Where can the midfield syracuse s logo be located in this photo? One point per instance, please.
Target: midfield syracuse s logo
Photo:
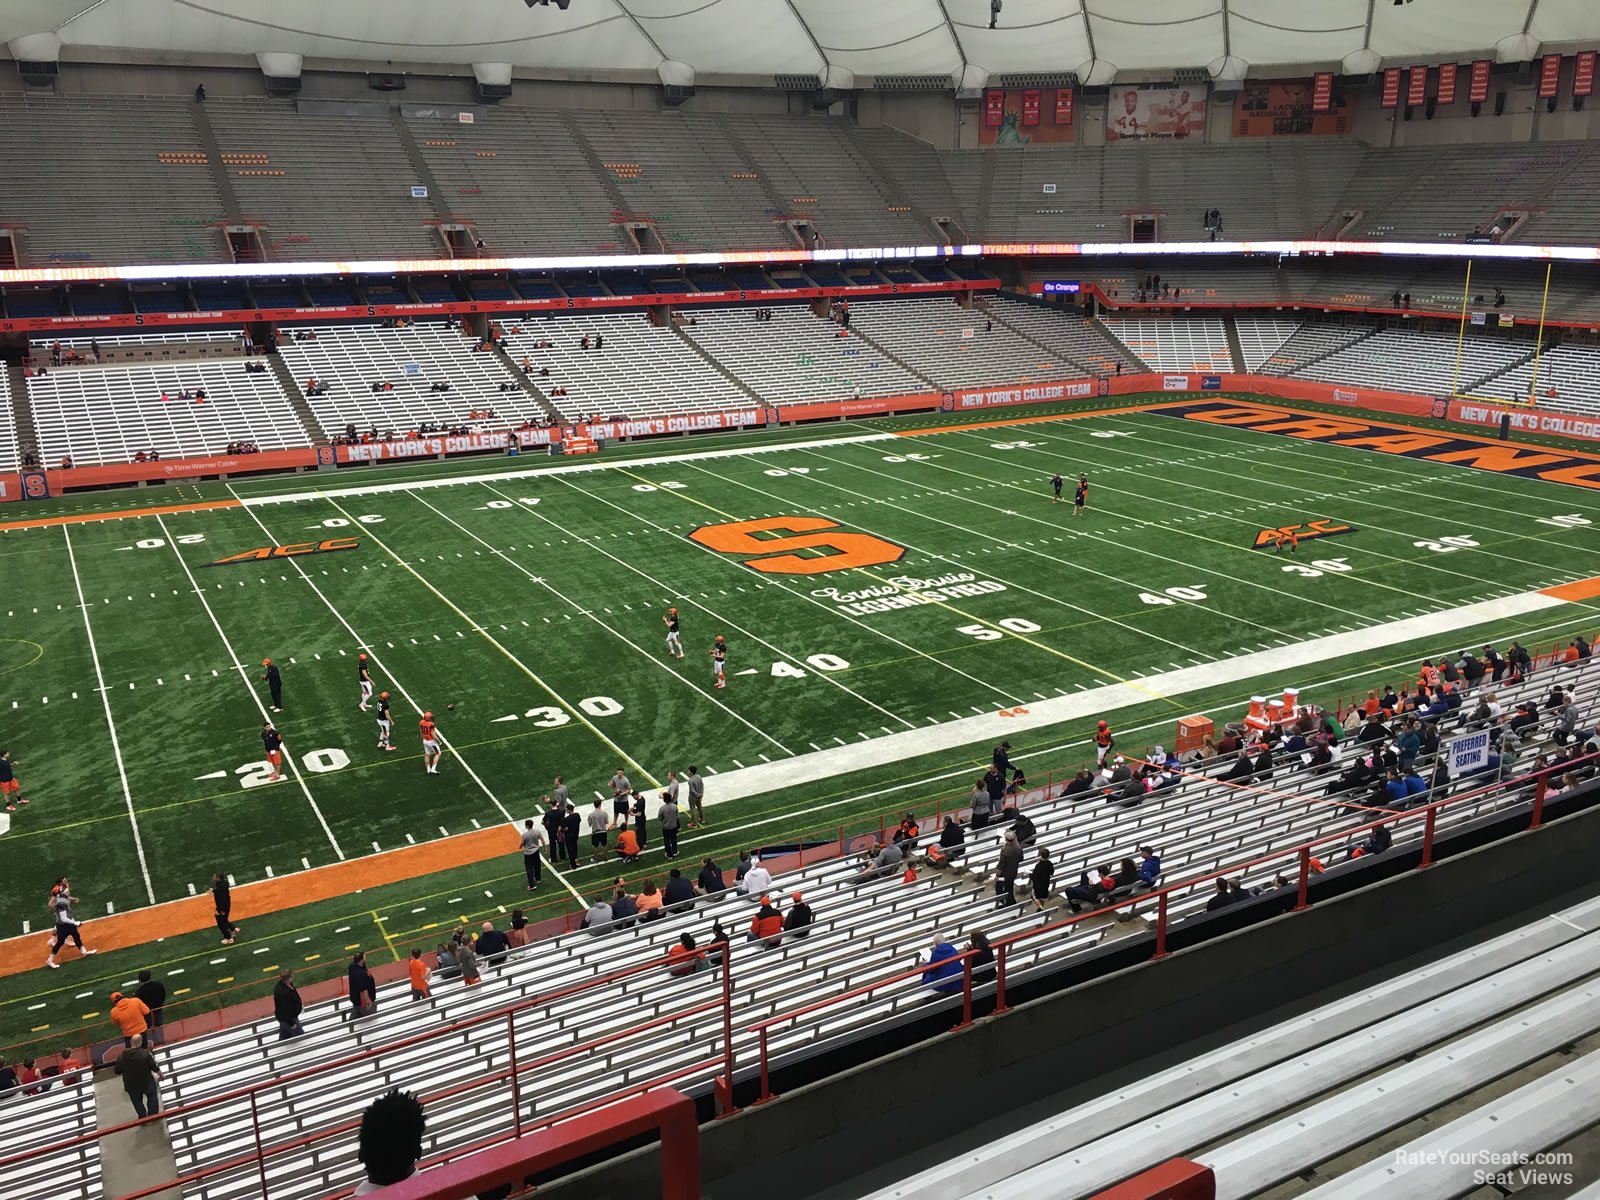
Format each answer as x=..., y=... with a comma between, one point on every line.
x=844, y=550
x=1311, y=529
x=293, y=550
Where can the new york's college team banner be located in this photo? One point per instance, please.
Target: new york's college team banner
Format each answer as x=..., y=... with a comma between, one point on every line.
x=1165, y=110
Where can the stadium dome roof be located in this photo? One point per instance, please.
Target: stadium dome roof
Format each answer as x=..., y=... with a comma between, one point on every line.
x=859, y=38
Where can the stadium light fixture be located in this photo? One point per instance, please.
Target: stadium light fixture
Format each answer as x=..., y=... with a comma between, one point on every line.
x=561, y=4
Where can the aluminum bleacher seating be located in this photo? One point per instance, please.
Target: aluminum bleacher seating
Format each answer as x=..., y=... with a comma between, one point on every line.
x=325, y=184
x=1568, y=380
x=1308, y=344
x=866, y=932
x=349, y=359
x=643, y=370
x=951, y=345
x=1196, y=344
x=35, y=1123
x=1261, y=338
x=1341, y=1075
x=796, y=356
x=1424, y=363
x=10, y=452
x=108, y=179
x=107, y=414
x=1075, y=339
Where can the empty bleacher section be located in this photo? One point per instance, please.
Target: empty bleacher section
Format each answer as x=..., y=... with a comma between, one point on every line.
x=1064, y=332
x=1262, y=338
x=796, y=356
x=107, y=414
x=951, y=345
x=1308, y=344
x=682, y=171
x=1345, y=1100
x=323, y=183
x=1567, y=380
x=10, y=453
x=641, y=370
x=35, y=1123
x=917, y=170
x=1196, y=344
x=107, y=179
x=629, y=1029
x=517, y=176
x=348, y=360
x=1422, y=363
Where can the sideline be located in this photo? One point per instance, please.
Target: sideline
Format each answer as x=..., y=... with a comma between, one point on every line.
x=117, y=515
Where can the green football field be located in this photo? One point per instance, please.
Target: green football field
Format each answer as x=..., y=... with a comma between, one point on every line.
x=888, y=603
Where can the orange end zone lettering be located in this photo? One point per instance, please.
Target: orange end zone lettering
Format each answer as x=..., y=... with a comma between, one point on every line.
x=849, y=550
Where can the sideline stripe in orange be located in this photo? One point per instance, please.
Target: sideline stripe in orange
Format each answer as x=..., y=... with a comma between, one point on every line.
x=119, y=514
x=1578, y=589
x=142, y=926
x=1002, y=422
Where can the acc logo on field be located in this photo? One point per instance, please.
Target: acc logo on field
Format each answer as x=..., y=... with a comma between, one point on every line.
x=849, y=550
x=1311, y=529
x=293, y=550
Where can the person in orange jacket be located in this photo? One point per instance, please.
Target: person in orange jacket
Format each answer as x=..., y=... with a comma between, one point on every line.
x=627, y=845
x=767, y=925
x=130, y=1014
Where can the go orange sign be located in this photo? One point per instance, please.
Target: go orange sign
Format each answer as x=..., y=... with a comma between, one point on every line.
x=776, y=555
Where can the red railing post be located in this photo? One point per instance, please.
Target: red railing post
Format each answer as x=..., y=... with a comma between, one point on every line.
x=1301, y=902
x=1428, y=822
x=966, y=995
x=261, y=1154
x=516, y=1083
x=727, y=1106
x=766, y=1084
x=1161, y=925
x=1539, y=790
x=1000, y=980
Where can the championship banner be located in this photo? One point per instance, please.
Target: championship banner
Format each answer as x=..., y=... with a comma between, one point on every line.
x=1156, y=111
x=1549, y=76
x=1417, y=87
x=1583, y=74
x=1030, y=107
x=1478, y=81
x=1009, y=111
x=1064, y=106
x=1391, y=87
x=1447, y=83
x=994, y=108
x=1322, y=91
x=1285, y=108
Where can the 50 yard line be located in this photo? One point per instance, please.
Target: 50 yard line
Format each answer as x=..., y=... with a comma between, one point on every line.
x=111, y=726
x=245, y=677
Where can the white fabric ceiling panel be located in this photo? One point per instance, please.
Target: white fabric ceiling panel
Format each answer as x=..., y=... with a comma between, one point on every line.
x=884, y=37
x=1270, y=31
x=1033, y=35
x=1425, y=29
x=1174, y=33
x=1566, y=21
x=765, y=39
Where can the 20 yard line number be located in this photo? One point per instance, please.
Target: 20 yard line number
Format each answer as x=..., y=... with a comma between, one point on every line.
x=316, y=762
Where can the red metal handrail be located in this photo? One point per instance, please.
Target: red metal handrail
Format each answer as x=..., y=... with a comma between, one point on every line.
x=1303, y=850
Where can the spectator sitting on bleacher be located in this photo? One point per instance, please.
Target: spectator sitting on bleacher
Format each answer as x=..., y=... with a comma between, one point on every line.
x=1222, y=899
x=710, y=879
x=952, y=842
x=623, y=907
x=1022, y=825
x=1095, y=884
x=1242, y=770
x=880, y=862
x=598, y=918
x=1080, y=783
x=391, y=1140
x=493, y=945
x=678, y=894
x=8, y=1082
x=757, y=880
x=906, y=832
x=648, y=902
x=1376, y=842
x=683, y=958
x=719, y=938
x=1374, y=730
x=140, y=456
x=799, y=919
x=1149, y=869
x=943, y=971
x=766, y=926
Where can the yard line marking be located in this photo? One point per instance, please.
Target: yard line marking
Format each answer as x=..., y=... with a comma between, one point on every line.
x=377, y=660
x=111, y=727
x=244, y=677
x=785, y=587
x=618, y=634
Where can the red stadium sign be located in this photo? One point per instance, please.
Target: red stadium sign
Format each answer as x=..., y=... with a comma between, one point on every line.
x=1478, y=83
x=1322, y=91
x=1447, y=83
x=1417, y=87
x=1583, y=74
x=994, y=107
x=1391, y=87
x=1063, y=106
x=1549, y=76
x=1030, y=107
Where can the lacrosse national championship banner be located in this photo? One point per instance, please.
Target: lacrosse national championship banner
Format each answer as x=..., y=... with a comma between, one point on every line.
x=1287, y=108
x=1165, y=110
